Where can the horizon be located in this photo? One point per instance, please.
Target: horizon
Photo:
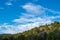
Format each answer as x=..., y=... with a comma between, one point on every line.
x=20, y=15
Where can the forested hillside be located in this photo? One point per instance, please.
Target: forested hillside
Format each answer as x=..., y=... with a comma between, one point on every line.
x=44, y=32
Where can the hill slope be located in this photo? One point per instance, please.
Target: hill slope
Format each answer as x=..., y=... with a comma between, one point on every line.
x=44, y=32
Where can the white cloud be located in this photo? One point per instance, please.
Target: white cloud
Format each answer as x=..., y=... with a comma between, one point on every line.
x=34, y=20
x=8, y=3
x=29, y=7
x=53, y=11
x=22, y=20
x=27, y=15
x=33, y=14
x=34, y=9
x=11, y=29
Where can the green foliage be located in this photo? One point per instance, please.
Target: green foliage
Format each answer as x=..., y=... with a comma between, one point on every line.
x=44, y=32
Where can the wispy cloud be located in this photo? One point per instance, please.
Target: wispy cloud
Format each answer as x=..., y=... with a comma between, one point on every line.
x=8, y=3
x=34, y=16
x=34, y=9
x=53, y=11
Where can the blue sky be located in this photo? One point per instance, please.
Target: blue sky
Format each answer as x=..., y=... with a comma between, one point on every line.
x=21, y=15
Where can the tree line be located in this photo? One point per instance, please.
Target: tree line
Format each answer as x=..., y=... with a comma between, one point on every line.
x=44, y=32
